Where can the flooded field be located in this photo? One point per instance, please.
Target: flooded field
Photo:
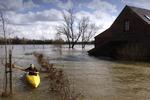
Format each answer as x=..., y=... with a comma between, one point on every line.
x=92, y=78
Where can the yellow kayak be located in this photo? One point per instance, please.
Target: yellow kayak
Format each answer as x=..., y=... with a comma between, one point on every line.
x=34, y=80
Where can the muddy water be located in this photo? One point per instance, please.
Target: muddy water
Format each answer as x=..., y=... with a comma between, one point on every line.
x=93, y=78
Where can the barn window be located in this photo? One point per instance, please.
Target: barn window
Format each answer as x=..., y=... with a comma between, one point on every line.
x=127, y=25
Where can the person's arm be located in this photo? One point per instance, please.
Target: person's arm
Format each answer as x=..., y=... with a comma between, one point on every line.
x=18, y=67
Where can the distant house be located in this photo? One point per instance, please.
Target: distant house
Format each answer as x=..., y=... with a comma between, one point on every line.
x=127, y=38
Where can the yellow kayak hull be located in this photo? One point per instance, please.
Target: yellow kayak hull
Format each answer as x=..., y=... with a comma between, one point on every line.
x=33, y=80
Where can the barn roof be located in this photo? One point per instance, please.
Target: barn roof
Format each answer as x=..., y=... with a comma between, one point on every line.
x=141, y=12
x=144, y=14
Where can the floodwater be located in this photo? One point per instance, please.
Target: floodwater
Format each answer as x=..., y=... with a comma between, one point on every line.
x=93, y=78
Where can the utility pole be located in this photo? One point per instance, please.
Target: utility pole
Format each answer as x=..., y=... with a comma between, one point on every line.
x=10, y=71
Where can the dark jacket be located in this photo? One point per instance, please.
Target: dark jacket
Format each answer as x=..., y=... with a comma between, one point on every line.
x=31, y=70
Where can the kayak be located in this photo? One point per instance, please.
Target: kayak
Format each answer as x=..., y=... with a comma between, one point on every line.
x=33, y=80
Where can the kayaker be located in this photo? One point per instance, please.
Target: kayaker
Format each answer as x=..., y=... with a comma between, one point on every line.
x=32, y=70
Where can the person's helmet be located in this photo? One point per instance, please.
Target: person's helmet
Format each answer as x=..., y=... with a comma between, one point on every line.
x=32, y=66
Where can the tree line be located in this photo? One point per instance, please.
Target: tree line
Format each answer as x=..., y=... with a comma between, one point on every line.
x=17, y=40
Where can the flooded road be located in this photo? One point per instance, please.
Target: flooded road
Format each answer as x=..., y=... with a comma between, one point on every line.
x=93, y=78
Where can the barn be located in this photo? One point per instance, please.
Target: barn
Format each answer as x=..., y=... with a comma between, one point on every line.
x=127, y=38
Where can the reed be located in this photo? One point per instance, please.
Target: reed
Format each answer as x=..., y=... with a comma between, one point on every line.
x=59, y=82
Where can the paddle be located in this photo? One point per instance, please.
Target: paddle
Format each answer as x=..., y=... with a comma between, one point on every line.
x=21, y=68
x=18, y=67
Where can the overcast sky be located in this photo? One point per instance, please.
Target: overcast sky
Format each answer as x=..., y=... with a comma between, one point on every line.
x=37, y=19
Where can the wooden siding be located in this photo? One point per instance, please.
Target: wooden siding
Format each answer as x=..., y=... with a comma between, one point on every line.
x=115, y=40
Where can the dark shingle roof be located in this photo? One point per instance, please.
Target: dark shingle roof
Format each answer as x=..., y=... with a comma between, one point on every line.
x=143, y=13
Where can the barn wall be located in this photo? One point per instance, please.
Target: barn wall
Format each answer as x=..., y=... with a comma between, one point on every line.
x=118, y=43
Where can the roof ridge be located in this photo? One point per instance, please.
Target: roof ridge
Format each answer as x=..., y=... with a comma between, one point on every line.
x=143, y=13
x=137, y=7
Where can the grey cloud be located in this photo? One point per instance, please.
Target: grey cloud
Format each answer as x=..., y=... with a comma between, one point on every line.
x=64, y=5
x=32, y=17
x=138, y=3
x=100, y=5
x=13, y=5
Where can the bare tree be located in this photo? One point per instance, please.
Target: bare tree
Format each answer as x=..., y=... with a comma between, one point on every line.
x=68, y=28
x=8, y=58
x=89, y=34
x=62, y=30
x=5, y=39
x=87, y=30
x=83, y=27
x=76, y=30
